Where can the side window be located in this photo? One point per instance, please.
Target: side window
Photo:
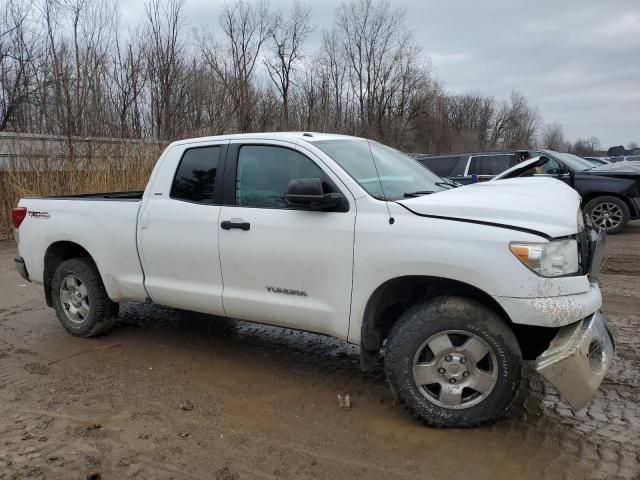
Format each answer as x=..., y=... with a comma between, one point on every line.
x=264, y=173
x=473, y=166
x=550, y=167
x=196, y=175
x=441, y=166
x=492, y=164
x=460, y=167
x=445, y=166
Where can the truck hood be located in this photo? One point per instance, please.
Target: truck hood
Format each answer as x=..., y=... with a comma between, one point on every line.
x=539, y=205
x=619, y=167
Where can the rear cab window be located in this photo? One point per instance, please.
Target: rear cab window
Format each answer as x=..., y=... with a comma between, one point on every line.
x=195, y=178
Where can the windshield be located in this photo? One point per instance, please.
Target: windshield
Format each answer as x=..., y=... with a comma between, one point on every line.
x=385, y=173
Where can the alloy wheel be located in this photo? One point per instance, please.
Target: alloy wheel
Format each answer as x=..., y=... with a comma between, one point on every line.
x=74, y=297
x=455, y=369
x=606, y=215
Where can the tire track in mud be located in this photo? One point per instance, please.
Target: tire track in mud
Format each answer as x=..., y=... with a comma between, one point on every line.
x=10, y=376
x=600, y=442
x=623, y=264
x=603, y=439
x=31, y=448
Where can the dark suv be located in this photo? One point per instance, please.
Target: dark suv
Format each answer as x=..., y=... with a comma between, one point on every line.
x=472, y=167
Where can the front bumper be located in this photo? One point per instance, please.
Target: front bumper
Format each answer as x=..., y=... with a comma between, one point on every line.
x=578, y=358
x=553, y=311
x=21, y=268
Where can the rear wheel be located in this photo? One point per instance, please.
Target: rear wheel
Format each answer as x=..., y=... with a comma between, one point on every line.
x=80, y=299
x=610, y=213
x=453, y=363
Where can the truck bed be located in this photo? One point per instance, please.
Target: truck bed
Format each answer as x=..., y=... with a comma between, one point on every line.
x=103, y=224
x=134, y=196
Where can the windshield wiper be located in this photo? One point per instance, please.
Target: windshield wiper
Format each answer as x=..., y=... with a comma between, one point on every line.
x=416, y=194
x=449, y=184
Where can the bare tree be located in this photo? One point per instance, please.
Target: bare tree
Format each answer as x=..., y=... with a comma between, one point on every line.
x=287, y=37
x=66, y=67
x=125, y=71
x=246, y=26
x=335, y=71
x=552, y=137
x=585, y=146
x=167, y=67
x=594, y=144
x=19, y=51
x=373, y=40
x=72, y=77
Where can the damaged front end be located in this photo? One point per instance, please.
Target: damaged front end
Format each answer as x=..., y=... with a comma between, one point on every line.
x=580, y=354
x=577, y=359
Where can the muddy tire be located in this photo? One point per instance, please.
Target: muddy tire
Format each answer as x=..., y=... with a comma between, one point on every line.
x=610, y=213
x=452, y=362
x=80, y=299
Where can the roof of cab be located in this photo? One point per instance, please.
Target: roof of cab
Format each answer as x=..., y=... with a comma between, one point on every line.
x=306, y=136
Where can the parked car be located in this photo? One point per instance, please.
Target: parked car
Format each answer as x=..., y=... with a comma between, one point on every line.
x=619, y=158
x=610, y=193
x=348, y=238
x=596, y=161
x=467, y=168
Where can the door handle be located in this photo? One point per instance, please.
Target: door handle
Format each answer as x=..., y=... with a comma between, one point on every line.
x=240, y=225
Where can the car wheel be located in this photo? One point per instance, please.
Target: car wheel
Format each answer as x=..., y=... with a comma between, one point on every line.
x=453, y=362
x=610, y=213
x=80, y=299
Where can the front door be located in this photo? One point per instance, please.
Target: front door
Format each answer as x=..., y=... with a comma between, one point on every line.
x=280, y=265
x=552, y=168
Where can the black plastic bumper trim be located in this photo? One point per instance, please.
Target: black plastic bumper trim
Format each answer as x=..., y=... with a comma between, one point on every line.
x=21, y=268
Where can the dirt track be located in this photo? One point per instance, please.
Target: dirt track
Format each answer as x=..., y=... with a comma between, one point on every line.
x=265, y=402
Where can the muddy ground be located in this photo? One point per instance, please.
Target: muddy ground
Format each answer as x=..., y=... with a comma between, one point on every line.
x=171, y=395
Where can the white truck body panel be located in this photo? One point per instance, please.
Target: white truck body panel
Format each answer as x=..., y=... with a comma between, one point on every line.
x=319, y=270
x=105, y=229
x=337, y=259
x=519, y=202
x=178, y=244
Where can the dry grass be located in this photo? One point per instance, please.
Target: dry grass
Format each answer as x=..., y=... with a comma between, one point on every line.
x=112, y=167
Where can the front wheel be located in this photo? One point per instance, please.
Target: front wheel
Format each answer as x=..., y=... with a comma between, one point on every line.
x=610, y=213
x=80, y=299
x=453, y=363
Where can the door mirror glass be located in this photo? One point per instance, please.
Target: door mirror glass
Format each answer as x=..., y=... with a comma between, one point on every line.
x=308, y=193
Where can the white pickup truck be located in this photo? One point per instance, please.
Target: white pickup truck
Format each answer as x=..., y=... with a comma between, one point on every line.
x=343, y=236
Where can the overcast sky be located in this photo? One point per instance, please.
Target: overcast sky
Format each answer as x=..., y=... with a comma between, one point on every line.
x=577, y=60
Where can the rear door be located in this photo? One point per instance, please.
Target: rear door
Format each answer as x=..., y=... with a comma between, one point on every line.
x=178, y=229
x=281, y=265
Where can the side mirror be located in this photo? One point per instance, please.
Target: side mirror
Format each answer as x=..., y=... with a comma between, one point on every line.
x=308, y=193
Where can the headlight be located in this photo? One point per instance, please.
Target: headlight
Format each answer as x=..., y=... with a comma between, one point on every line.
x=550, y=259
